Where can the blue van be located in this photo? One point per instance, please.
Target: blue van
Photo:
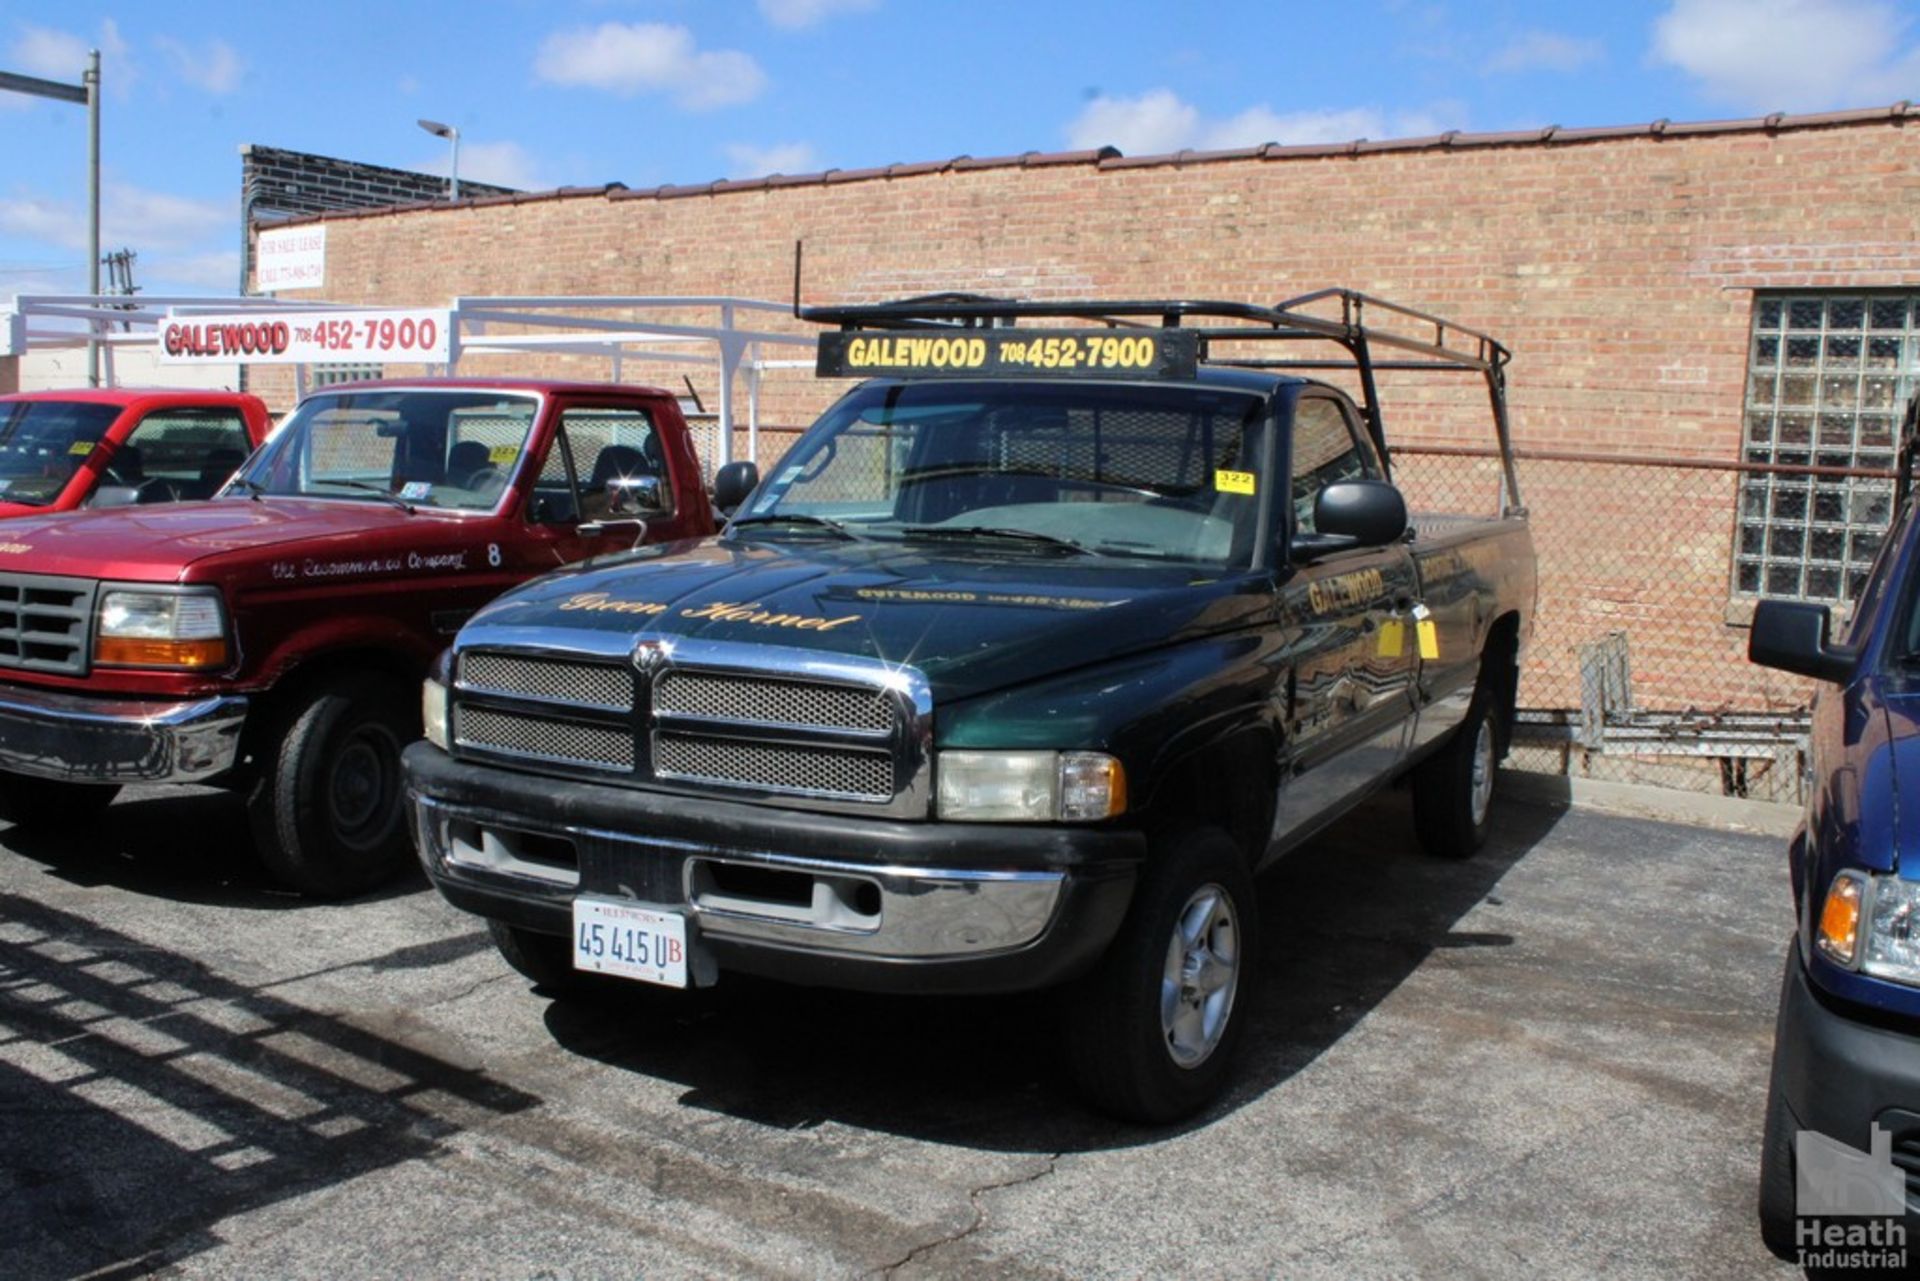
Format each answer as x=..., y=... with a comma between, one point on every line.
x=1846, y=1054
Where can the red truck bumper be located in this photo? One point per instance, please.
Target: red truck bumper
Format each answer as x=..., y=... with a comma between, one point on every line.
x=93, y=740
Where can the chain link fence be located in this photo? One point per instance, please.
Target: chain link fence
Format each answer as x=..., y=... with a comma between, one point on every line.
x=1637, y=671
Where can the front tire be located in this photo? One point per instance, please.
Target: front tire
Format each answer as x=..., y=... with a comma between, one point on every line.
x=44, y=802
x=1153, y=1029
x=328, y=809
x=1776, y=1200
x=545, y=960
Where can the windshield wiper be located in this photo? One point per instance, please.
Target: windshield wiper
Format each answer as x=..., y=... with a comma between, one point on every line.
x=254, y=489
x=999, y=531
x=798, y=518
x=378, y=490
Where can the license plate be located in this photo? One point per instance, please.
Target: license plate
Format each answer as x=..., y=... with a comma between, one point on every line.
x=615, y=936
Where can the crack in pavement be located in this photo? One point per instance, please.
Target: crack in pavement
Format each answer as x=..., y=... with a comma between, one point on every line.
x=979, y=1216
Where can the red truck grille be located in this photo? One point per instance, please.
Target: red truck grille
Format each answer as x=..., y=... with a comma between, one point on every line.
x=44, y=622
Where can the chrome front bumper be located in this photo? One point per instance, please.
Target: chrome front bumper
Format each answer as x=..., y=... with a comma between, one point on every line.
x=52, y=735
x=821, y=906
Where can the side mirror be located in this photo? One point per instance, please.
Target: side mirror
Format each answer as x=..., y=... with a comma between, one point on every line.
x=1793, y=636
x=636, y=496
x=732, y=484
x=1353, y=513
x=114, y=496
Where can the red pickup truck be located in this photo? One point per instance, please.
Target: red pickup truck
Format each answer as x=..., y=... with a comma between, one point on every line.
x=274, y=639
x=112, y=447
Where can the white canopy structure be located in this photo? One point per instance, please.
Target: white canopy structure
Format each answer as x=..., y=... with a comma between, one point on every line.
x=686, y=331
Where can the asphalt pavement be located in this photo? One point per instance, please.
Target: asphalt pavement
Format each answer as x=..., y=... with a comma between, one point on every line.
x=1548, y=1061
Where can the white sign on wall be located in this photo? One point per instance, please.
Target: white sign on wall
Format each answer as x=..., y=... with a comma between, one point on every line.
x=412, y=336
x=290, y=258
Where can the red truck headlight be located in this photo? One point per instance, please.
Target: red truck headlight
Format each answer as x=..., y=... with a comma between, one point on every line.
x=160, y=629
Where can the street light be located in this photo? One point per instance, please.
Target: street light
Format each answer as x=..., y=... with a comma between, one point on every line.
x=452, y=135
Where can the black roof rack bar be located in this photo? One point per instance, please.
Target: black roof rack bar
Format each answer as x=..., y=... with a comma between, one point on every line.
x=1414, y=366
x=1283, y=321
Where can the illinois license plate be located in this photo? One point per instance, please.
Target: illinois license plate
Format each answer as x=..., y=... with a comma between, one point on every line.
x=616, y=936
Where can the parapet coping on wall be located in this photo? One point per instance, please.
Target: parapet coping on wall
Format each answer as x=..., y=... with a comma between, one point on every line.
x=1110, y=158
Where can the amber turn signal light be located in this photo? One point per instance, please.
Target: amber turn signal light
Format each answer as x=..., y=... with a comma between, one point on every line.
x=135, y=652
x=1839, y=934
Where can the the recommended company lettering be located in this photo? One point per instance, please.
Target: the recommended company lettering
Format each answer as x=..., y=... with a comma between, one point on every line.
x=1849, y=1205
x=443, y=562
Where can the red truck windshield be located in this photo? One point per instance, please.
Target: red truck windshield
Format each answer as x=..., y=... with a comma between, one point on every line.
x=449, y=449
x=43, y=442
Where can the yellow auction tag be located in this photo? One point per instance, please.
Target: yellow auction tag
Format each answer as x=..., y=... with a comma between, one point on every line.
x=1393, y=640
x=1429, y=638
x=1233, y=482
x=501, y=455
x=81, y=448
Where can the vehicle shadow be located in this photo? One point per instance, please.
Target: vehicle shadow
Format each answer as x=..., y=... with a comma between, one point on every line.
x=144, y=1098
x=178, y=844
x=1347, y=920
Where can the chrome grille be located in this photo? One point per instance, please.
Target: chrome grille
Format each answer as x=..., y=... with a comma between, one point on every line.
x=785, y=767
x=769, y=701
x=543, y=738
x=44, y=622
x=557, y=681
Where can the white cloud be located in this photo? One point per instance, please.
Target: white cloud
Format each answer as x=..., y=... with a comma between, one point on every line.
x=216, y=270
x=214, y=67
x=1545, y=51
x=1159, y=121
x=141, y=219
x=805, y=13
x=505, y=164
x=649, y=57
x=748, y=161
x=1790, y=55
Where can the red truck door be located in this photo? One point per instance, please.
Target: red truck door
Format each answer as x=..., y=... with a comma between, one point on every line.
x=609, y=466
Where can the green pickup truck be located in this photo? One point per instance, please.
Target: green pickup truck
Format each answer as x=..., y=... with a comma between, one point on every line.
x=1011, y=674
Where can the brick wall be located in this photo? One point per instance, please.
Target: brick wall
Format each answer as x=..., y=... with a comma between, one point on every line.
x=1619, y=268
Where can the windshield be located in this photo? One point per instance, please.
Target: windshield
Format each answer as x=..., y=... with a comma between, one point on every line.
x=453, y=450
x=43, y=442
x=1165, y=473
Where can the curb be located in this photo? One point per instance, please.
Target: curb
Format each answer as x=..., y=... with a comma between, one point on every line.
x=1695, y=809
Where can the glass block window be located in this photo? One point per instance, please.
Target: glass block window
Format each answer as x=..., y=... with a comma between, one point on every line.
x=1827, y=378
x=334, y=375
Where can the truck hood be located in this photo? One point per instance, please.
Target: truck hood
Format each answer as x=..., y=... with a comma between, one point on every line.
x=161, y=542
x=968, y=622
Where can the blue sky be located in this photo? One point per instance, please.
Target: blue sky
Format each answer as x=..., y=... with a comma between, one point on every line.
x=562, y=92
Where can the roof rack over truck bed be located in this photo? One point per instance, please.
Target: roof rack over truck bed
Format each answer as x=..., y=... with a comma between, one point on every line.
x=1420, y=341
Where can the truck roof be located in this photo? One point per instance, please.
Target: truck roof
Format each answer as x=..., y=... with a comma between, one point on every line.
x=133, y=395
x=503, y=384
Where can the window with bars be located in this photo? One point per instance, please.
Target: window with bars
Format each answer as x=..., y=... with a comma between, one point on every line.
x=1827, y=376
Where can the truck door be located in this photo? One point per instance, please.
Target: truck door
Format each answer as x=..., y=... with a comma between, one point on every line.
x=1350, y=706
x=604, y=470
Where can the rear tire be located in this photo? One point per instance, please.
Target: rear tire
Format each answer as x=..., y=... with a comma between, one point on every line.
x=44, y=802
x=1153, y=1029
x=328, y=808
x=1453, y=788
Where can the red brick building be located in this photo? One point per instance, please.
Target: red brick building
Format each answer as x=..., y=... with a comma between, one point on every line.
x=1738, y=292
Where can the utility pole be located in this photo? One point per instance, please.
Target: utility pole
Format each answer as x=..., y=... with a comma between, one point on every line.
x=92, y=83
